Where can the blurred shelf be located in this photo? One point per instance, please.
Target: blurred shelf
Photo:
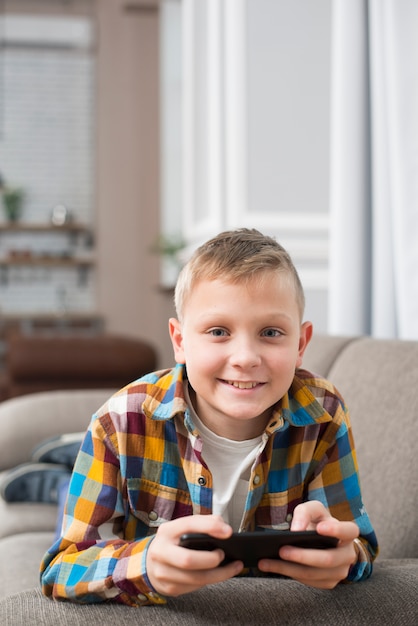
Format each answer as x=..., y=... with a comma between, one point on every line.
x=77, y=316
x=33, y=261
x=85, y=321
x=70, y=227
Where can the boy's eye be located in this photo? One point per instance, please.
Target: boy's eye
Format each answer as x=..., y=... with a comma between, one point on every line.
x=271, y=332
x=217, y=332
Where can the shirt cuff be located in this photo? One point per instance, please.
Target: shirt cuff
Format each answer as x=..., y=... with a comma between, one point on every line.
x=362, y=568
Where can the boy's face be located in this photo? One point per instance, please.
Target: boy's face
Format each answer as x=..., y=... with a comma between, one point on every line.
x=241, y=344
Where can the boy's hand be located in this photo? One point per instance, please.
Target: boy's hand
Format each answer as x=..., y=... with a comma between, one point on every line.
x=318, y=568
x=173, y=570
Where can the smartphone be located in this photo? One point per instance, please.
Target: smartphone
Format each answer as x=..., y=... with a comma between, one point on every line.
x=250, y=547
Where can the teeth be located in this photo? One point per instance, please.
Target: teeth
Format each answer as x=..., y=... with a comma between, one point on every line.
x=240, y=385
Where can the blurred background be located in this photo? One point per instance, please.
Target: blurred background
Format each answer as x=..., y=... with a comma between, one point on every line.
x=133, y=130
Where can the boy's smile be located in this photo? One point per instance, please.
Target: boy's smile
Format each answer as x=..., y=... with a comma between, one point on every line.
x=241, y=343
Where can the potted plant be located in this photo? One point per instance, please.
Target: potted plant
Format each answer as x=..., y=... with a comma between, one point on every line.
x=169, y=247
x=13, y=202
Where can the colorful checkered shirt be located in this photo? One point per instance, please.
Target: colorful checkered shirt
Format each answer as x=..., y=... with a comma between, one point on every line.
x=141, y=465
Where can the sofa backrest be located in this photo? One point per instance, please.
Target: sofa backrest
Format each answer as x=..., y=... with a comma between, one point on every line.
x=379, y=382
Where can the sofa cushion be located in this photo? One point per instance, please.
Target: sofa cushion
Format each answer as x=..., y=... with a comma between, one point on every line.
x=22, y=517
x=21, y=557
x=388, y=598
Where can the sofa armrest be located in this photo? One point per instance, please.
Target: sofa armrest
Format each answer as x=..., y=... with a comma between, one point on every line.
x=28, y=420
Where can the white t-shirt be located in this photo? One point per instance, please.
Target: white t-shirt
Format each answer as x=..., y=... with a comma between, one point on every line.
x=230, y=464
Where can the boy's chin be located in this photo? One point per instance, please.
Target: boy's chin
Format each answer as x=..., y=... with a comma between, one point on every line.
x=248, y=417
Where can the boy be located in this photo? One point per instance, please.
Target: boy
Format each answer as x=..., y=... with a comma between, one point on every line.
x=235, y=437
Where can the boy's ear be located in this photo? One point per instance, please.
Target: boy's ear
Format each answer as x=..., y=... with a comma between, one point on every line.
x=306, y=331
x=174, y=328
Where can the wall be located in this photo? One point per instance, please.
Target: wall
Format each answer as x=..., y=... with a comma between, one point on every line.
x=128, y=173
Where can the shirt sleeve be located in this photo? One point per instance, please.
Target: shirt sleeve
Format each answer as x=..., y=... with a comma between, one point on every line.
x=83, y=565
x=336, y=484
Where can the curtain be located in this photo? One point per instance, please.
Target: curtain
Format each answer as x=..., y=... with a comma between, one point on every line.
x=374, y=169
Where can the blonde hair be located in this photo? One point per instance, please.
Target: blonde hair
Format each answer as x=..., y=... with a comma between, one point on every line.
x=236, y=256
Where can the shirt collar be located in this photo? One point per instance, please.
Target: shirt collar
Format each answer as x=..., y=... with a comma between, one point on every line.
x=298, y=407
x=165, y=397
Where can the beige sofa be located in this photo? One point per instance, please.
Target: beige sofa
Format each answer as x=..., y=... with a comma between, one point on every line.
x=379, y=380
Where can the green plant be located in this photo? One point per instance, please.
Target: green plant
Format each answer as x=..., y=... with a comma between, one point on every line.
x=169, y=246
x=13, y=202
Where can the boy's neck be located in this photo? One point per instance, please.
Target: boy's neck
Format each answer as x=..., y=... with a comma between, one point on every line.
x=243, y=431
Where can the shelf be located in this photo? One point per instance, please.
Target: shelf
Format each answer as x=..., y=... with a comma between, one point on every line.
x=71, y=227
x=82, y=265
x=46, y=262
x=79, y=316
x=87, y=322
x=30, y=258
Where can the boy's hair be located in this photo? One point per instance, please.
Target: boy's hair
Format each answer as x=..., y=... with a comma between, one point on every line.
x=236, y=256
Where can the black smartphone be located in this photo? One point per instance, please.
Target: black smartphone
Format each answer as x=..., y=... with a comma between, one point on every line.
x=250, y=547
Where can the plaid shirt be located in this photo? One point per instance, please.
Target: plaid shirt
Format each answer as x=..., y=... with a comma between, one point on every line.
x=141, y=465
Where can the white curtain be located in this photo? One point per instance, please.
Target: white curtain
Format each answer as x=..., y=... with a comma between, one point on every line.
x=374, y=169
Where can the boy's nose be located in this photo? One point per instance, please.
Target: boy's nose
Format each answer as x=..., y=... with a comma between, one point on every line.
x=244, y=354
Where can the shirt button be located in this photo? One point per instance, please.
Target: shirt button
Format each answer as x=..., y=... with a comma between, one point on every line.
x=289, y=517
x=153, y=516
x=256, y=480
x=201, y=480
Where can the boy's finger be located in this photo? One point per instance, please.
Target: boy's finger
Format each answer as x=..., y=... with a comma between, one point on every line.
x=345, y=531
x=211, y=524
x=308, y=514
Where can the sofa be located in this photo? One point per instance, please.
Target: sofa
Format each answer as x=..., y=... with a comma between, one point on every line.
x=379, y=381
x=41, y=362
